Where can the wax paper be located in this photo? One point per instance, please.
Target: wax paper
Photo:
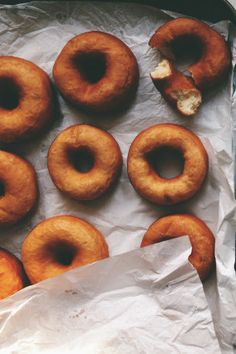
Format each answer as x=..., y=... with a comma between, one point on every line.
x=139, y=302
x=38, y=31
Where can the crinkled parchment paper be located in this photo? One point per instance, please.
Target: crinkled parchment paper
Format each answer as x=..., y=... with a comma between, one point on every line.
x=38, y=31
x=133, y=303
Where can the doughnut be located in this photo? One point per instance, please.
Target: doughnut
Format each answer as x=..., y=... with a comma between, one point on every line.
x=59, y=244
x=143, y=175
x=26, y=99
x=214, y=60
x=84, y=161
x=18, y=188
x=201, y=238
x=97, y=72
x=210, y=67
x=176, y=88
x=12, y=277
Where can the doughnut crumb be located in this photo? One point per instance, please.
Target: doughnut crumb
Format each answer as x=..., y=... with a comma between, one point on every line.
x=187, y=101
x=162, y=71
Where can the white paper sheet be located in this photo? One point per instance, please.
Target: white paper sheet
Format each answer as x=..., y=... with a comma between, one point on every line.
x=145, y=301
x=38, y=31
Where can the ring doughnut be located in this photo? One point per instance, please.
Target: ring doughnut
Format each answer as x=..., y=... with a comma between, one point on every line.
x=201, y=238
x=26, y=99
x=84, y=161
x=18, y=188
x=12, y=277
x=214, y=61
x=146, y=180
x=97, y=72
x=59, y=244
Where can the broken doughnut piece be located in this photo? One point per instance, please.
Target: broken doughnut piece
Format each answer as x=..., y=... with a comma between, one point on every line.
x=176, y=88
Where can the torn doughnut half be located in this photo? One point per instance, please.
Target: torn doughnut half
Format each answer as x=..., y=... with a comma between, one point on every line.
x=176, y=88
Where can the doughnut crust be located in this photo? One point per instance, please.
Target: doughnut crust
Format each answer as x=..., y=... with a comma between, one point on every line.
x=201, y=238
x=26, y=99
x=214, y=61
x=105, y=170
x=12, y=277
x=59, y=244
x=108, y=88
x=145, y=179
x=18, y=188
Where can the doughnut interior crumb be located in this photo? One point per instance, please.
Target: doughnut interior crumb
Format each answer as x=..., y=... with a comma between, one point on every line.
x=187, y=101
x=162, y=71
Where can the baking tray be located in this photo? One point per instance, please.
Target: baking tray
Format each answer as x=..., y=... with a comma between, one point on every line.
x=212, y=10
x=218, y=14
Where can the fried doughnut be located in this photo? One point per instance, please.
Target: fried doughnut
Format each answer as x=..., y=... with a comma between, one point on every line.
x=26, y=99
x=12, y=277
x=84, y=161
x=146, y=180
x=97, y=72
x=59, y=244
x=18, y=188
x=214, y=60
x=176, y=88
x=201, y=238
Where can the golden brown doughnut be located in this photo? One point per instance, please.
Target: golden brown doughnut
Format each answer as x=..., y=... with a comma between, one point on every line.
x=59, y=244
x=25, y=99
x=146, y=180
x=201, y=238
x=96, y=71
x=18, y=188
x=12, y=277
x=66, y=158
x=176, y=88
x=214, y=61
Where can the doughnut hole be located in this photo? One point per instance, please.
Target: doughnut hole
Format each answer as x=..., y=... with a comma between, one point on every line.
x=82, y=159
x=92, y=66
x=9, y=94
x=165, y=238
x=2, y=189
x=187, y=49
x=61, y=252
x=167, y=162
